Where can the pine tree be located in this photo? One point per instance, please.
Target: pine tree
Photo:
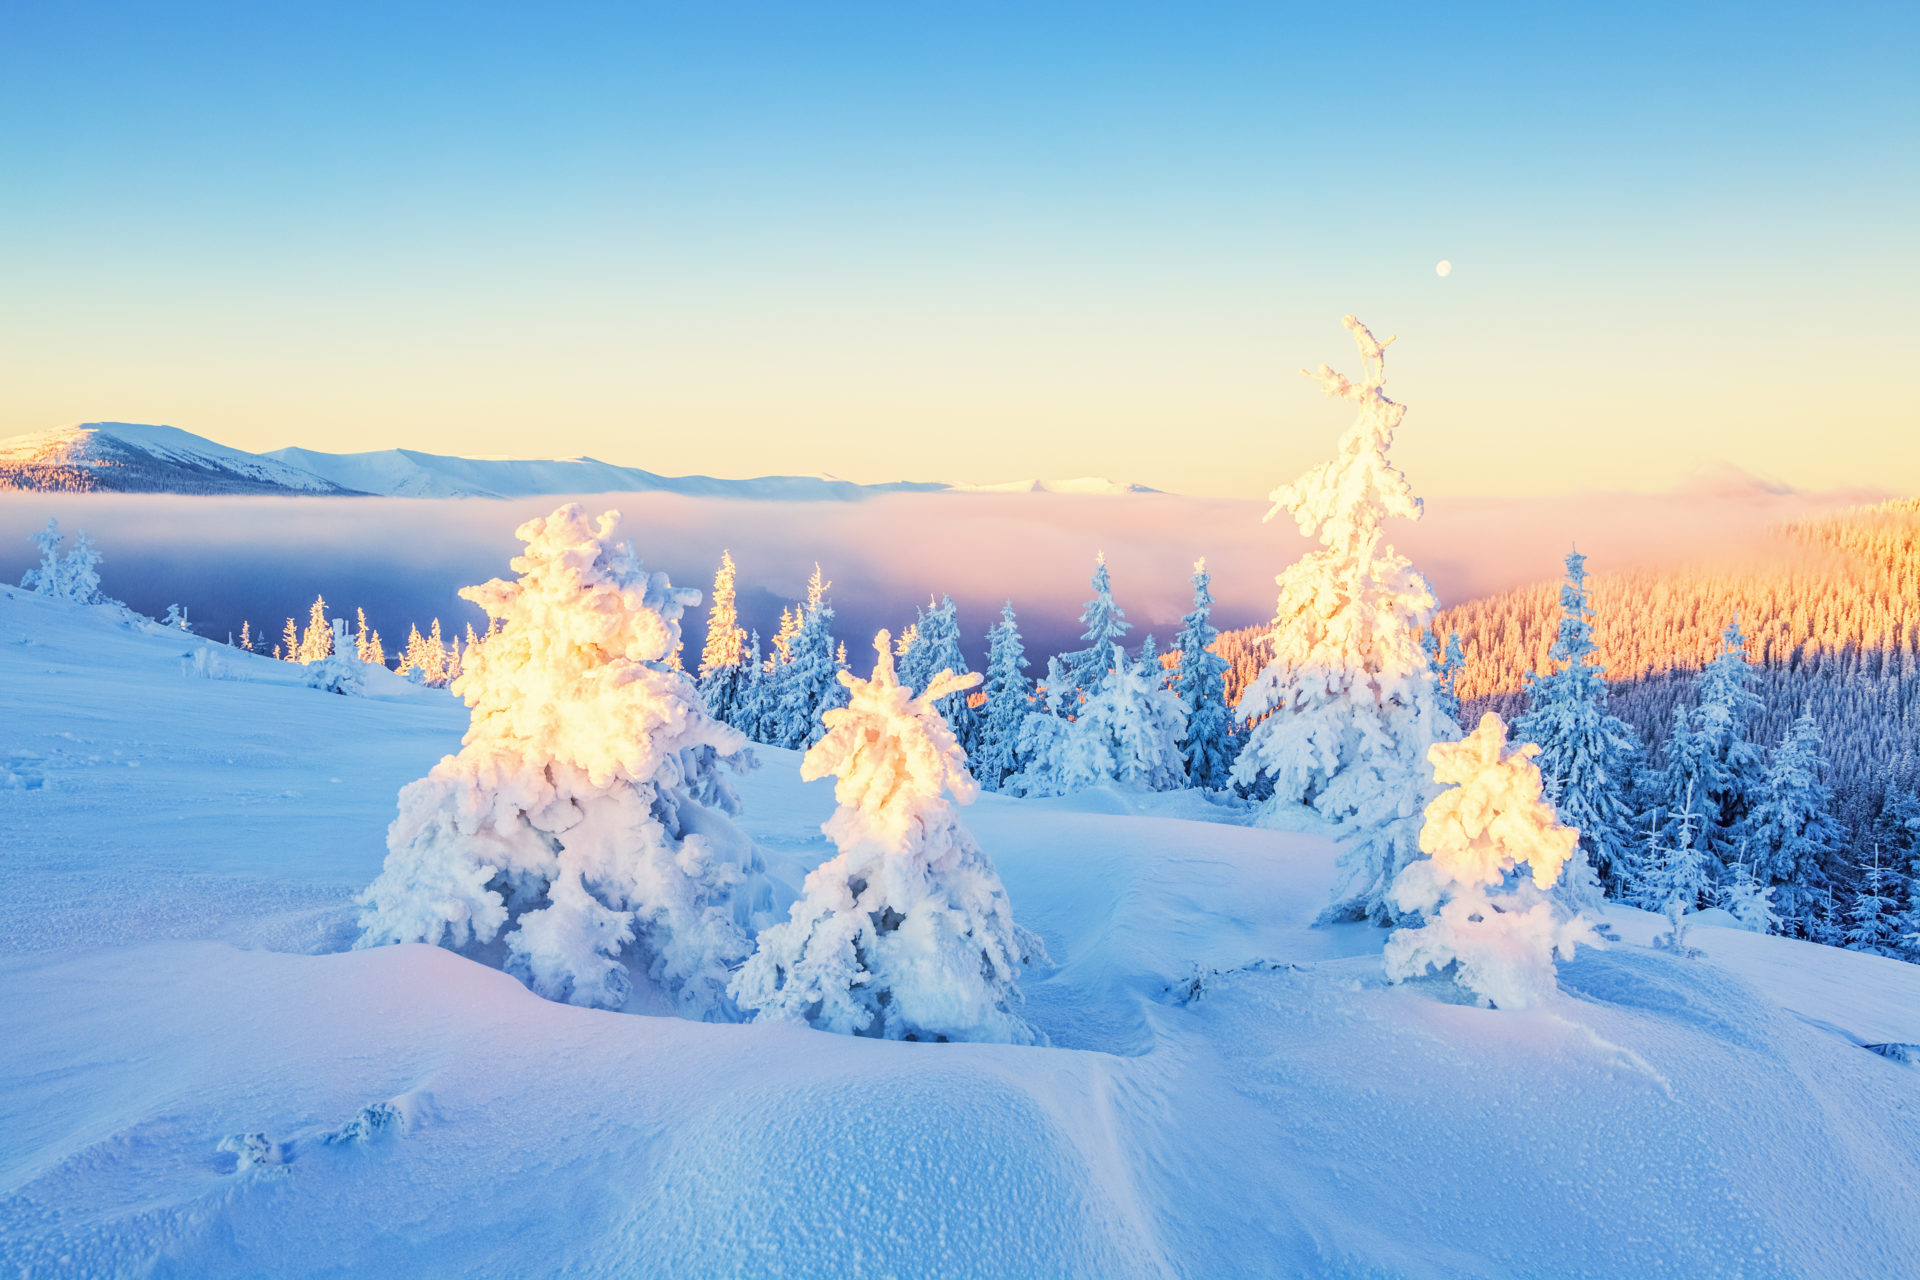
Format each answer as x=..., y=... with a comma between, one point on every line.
x=1791, y=833
x=1676, y=869
x=809, y=684
x=906, y=934
x=73, y=577
x=1873, y=919
x=1106, y=623
x=414, y=656
x=246, y=636
x=317, y=643
x=1008, y=703
x=723, y=672
x=586, y=821
x=1207, y=747
x=936, y=648
x=177, y=618
x=1733, y=765
x=1587, y=756
x=1142, y=723
x=1447, y=662
x=362, y=638
x=1748, y=901
x=1497, y=928
x=751, y=709
x=290, y=642
x=1349, y=705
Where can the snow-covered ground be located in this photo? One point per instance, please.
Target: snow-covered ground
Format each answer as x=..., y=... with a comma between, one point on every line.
x=180, y=856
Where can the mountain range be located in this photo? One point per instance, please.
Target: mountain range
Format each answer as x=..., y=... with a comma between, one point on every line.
x=124, y=457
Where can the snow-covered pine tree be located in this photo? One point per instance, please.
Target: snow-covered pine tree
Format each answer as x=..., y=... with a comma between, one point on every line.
x=1873, y=917
x=1207, y=748
x=1349, y=704
x=1900, y=825
x=246, y=635
x=74, y=576
x=46, y=579
x=936, y=648
x=1747, y=900
x=1733, y=766
x=1106, y=622
x=723, y=668
x=1478, y=833
x=177, y=618
x=362, y=637
x=1791, y=833
x=1447, y=661
x=432, y=668
x=290, y=642
x=810, y=682
x=1054, y=759
x=412, y=655
x=906, y=934
x=751, y=709
x=586, y=818
x=1008, y=703
x=1141, y=722
x=317, y=643
x=1675, y=869
x=1588, y=757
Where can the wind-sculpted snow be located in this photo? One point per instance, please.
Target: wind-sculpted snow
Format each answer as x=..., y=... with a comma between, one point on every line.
x=423, y=1115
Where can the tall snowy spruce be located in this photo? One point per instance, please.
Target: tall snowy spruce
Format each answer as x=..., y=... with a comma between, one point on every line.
x=1791, y=834
x=1675, y=873
x=1873, y=917
x=809, y=681
x=1729, y=767
x=1106, y=623
x=1500, y=930
x=1587, y=757
x=723, y=663
x=1127, y=733
x=586, y=818
x=1349, y=700
x=1447, y=662
x=935, y=648
x=73, y=576
x=907, y=934
x=1201, y=684
x=1009, y=702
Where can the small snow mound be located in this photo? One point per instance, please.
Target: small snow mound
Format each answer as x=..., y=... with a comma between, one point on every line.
x=253, y=1151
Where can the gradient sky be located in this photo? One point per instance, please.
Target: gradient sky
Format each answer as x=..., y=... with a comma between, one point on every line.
x=975, y=242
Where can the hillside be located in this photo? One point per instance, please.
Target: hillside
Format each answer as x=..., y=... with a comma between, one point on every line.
x=124, y=457
x=1830, y=607
x=183, y=852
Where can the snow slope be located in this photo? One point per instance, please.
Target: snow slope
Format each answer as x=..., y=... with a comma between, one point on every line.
x=181, y=854
x=132, y=457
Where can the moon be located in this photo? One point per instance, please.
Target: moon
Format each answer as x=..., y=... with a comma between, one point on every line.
x=1443, y=269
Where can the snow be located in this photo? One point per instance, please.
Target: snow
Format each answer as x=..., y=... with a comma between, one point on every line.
x=164, y=457
x=1229, y=1090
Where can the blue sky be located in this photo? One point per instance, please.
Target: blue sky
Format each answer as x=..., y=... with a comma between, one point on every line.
x=973, y=242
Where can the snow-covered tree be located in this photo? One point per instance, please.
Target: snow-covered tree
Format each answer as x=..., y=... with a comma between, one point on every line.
x=752, y=709
x=1791, y=833
x=1588, y=757
x=936, y=647
x=317, y=642
x=586, y=818
x=1349, y=704
x=723, y=666
x=1873, y=920
x=906, y=934
x=1009, y=696
x=74, y=576
x=1733, y=766
x=289, y=649
x=809, y=681
x=1748, y=901
x=1675, y=868
x=1126, y=734
x=246, y=636
x=1499, y=929
x=1106, y=623
x=1200, y=681
x=1447, y=660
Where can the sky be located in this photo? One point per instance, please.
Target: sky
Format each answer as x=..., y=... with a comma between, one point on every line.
x=975, y=242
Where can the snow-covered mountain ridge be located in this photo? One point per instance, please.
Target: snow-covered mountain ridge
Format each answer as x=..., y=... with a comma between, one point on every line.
x=123, y=457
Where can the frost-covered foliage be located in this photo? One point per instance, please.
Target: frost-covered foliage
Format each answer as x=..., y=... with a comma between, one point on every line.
x=1009, y=703
x=1499, y=929
x=177, y=618
x=585, y=819
x=936, y=648
x=1349, y=700
x=1674, y=867
x=1731, y=766
x=1748, y=901
x=1791, y=834
x=1587, y=757
x=809, y=681
x=1125, y=734
x=1873, y=922
x=723, y=658
x=1447, y=662
x=317, y=642
x=1208, y=746
x=907, y=934
x=74, y=576
x=1106, y=623
x=367, y=645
